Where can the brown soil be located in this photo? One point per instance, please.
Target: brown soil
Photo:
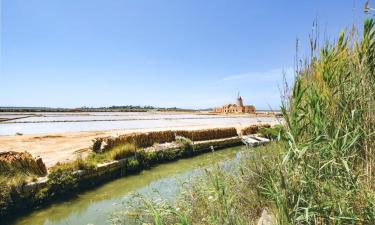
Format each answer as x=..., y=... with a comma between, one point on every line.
x=53, y=148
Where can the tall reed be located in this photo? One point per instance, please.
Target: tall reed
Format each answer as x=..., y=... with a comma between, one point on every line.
x=327, y=171
x=323, y=169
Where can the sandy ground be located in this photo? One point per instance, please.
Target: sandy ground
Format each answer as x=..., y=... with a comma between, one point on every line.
x=62, y=147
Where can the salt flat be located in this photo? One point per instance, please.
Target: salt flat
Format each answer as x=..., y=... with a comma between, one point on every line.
x=60, y=137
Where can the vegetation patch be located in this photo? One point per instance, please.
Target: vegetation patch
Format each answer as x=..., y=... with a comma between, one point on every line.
x=253, y=129
x=143, y=140
x=12, y=163
x=322, y=171
x=67, y=178
x=219, y=196
x=61, y=181
x=272, y=133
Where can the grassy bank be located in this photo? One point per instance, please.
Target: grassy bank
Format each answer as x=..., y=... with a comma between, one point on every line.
x=220, y=196
x=322, y=169
x=125, y=155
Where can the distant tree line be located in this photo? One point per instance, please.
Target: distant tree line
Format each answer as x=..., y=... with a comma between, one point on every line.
x=126, y=108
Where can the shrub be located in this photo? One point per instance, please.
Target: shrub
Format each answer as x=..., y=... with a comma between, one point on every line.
x=61, y=181
x=272, y=132
x=132, y=165
x=4, y=194
x=146, y=159
x=169, y=155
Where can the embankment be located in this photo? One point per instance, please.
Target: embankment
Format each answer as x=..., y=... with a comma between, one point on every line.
x=64, y=181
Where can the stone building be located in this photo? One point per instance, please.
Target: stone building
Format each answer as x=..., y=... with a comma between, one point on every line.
x=236, y=108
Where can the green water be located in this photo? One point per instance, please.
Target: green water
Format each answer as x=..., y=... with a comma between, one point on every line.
x=96, y=205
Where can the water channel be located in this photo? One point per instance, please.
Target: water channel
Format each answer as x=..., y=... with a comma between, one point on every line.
x=95, y=206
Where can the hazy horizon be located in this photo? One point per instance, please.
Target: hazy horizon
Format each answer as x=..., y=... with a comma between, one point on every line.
x=185, y=54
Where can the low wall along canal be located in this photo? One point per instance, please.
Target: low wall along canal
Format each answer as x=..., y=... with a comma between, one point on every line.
x=61, y=186
x=96, y=205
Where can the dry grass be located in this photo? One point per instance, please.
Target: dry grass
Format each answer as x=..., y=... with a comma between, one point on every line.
x=253, y=129
x=122, y=151
x=143, y=140
x=21, y=162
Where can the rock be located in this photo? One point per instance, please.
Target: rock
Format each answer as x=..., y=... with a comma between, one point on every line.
x=266, y=218
x=103, y=146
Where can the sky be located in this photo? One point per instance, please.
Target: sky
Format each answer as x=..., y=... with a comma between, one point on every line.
x=166, y=53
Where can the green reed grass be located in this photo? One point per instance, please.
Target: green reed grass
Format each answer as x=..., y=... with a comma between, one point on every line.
x=327, y=171
x=323, y=169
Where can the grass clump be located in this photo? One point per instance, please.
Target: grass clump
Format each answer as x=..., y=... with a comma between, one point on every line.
x=116, y=153
x=272, y=133
x=122, y=151
x=132, y=165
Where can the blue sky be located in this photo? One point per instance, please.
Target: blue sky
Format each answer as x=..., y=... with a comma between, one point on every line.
x=184, y=53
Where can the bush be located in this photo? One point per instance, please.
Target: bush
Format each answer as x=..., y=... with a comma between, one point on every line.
x=61, y=181
x=4, y=194
x=273, y=132
x=146, y=159
x=168, y=155
x=132, y=165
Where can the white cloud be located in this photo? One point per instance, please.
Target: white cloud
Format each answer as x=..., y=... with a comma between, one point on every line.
x=235, y=77
x=270, y=75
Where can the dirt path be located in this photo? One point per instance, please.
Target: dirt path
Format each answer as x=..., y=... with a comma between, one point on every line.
x=64, y=147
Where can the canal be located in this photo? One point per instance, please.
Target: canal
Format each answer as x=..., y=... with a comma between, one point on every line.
x=95, y=206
